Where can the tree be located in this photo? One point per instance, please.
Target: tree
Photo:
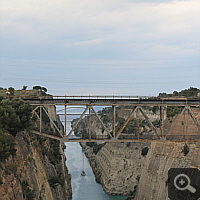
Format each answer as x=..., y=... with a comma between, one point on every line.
x=11, y=90
x=24, y=87
x=9, y=120
x=175, y=93
x=15, y=115
x=44, y=89
x=37, y=87
x=145, y=151
x=155, y=109
x=41, y=89
x=185, y=149
x=23, y=111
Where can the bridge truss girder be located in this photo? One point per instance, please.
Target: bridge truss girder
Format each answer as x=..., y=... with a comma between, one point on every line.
x=65, y=137
x=185, y=112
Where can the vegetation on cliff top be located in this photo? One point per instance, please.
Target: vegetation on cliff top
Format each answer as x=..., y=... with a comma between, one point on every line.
x=32, y=93
x=16, y=122
x=190, y=92
x=15, y=115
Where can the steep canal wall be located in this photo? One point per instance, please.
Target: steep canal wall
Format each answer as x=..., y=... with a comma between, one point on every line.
x=161, y=157
x=121, y=169
x=118, y=166
x=37, y=171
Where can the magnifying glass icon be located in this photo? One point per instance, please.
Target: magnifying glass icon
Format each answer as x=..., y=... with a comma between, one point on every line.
x=181, y=180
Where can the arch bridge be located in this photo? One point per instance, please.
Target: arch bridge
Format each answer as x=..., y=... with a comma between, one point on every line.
x=89, y=102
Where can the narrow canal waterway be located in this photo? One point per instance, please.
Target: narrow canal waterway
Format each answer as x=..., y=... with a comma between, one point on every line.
x=84, y=187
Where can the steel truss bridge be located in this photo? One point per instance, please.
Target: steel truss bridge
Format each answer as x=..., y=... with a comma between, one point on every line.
x=88, y=102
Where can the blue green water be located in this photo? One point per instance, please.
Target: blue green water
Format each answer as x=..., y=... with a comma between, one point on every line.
x=84, y=187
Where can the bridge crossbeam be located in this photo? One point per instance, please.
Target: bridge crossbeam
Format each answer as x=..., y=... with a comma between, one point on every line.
x=179, y=138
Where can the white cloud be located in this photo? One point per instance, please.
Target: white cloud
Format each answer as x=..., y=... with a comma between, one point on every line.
x=102, y=24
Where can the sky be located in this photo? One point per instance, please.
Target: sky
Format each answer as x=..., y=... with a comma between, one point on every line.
x=100, y=47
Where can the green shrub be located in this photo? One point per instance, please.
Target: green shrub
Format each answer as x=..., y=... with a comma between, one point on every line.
x=15, y=115
x=185, y=149
x=145, y=151
x=7, y=145
x=90, y=144
x=173, y=110
x=128, y=144
x=54, y=181
x=12, y=168
x=98, y=177
x=53, y=152
x=97, y=147
x=1, y=181
x=28, y=194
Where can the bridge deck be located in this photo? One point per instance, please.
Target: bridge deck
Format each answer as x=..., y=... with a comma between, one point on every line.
x=107, y=101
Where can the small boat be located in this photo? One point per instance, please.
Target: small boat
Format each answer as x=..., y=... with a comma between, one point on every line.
x=83, y=173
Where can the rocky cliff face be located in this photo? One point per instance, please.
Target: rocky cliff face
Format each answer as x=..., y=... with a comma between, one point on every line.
x=121, y=169
x=118, y=166
x=122, y=114
x=163, y=156
x=177, y=128
x=153, y=116
x=37, y=171
x=29, y=174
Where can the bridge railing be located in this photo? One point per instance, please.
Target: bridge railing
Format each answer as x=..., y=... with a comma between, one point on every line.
x=102, y=97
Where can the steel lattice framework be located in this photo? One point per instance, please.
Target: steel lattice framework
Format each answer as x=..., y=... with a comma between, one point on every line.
x=138, y=102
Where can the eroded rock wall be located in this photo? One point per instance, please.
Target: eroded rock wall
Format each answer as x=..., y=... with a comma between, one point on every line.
x=30, y=170
x=118, y=166
x=163, y=156
x=27, y=175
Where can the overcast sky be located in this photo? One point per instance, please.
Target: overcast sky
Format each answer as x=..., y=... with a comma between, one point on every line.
x=132, y=47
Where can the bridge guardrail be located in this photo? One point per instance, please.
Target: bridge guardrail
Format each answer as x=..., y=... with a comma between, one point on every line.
x=103, y=97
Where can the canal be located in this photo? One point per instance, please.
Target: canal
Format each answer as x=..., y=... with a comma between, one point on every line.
x=84, y=187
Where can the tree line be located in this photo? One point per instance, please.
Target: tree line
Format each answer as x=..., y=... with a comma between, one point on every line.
x=15, y=115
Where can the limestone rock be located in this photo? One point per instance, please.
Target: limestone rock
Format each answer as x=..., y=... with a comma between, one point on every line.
x=118, y=166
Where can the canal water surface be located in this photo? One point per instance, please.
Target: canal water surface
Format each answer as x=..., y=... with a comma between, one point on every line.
x=84, y=187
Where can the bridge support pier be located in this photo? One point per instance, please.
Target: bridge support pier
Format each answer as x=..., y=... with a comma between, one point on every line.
x=138, y=124
x=114, y=120
x=89, y=123
x=162, y=116
x=65, y=120
x=40, y=119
